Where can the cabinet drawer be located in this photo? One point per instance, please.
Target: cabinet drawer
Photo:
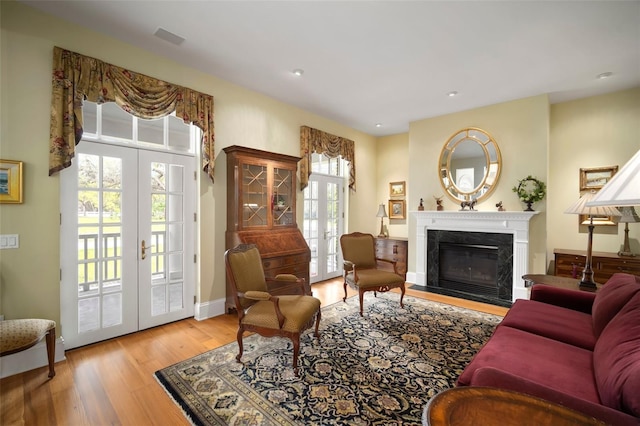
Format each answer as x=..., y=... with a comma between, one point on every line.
x=278, y=262
x=300, y=270
x=613, y=266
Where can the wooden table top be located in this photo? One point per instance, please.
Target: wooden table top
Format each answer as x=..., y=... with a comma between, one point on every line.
x=468, y=405
x=556, y=281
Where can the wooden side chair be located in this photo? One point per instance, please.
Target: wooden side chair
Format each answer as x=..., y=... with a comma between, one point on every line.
x=20, y=334
x=361, y=267
x=259, y=311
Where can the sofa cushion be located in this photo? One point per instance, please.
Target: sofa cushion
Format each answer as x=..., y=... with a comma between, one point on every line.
x=543, y=319
x=616, y=360
x=618, y=290
x=545, y=361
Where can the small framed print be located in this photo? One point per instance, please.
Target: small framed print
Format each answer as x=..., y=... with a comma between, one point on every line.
x=397, y=189
x=597, y=220
x=10, y=182
x=596, y=177
x=397, y=209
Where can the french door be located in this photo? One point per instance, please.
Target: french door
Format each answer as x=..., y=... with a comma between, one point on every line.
x=127, y=241
x=323, y=225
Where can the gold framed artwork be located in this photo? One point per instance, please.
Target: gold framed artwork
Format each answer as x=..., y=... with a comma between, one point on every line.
x=397, y=209
x=596, y=177
x=397, y=189
x=10, y=182
x=597, y=220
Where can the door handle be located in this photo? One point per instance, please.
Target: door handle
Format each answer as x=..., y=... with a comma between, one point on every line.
x=143, y=249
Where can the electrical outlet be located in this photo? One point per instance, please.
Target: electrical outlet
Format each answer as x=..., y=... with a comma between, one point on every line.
x=9, y=241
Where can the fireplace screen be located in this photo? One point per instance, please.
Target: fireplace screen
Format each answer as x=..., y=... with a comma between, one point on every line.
x=472, y=267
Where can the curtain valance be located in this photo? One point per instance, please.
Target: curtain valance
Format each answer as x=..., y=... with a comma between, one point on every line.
x=314, y=140
x=77, y=77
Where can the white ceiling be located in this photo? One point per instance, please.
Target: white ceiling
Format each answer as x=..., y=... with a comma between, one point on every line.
x=388, y=62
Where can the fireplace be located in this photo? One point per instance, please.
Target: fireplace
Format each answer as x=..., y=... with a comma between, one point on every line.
x=512, y=265
x=472, y=265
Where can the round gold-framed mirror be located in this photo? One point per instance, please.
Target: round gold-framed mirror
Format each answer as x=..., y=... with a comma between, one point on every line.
x=470, y=165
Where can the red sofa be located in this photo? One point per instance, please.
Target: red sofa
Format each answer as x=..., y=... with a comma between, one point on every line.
x=578, y=349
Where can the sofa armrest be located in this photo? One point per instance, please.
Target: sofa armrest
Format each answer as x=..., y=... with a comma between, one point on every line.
x=571, y=299
x=493, y=377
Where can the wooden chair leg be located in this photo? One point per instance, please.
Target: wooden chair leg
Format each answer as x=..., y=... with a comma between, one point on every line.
x=344, y=285
x=51, y=350
x=361, y=296
x=317, y=334
x=402, y=290
x=296, y=350
x=240, y=347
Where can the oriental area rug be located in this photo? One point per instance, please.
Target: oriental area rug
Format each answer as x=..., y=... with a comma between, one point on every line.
x=380, y=369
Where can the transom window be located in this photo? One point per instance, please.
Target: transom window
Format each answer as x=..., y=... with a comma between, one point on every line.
x=324, y=165
x=109, y=123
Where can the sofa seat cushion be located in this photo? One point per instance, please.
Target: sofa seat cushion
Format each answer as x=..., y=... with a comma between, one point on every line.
x=554, y=322
x=618, y=290
x=616, y=359
x=545, y=361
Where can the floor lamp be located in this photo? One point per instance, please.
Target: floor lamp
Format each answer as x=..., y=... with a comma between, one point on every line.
x=580, y=207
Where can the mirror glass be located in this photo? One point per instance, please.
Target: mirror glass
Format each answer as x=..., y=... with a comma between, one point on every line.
x=470, y=165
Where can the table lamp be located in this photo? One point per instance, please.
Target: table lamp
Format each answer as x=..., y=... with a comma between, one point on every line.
x=624, y=187
x=580, y=207
x=382, y=213
x=629, y=215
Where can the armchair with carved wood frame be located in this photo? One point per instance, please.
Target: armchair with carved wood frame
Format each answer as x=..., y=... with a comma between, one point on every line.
x=259, y=311
x=361, y=269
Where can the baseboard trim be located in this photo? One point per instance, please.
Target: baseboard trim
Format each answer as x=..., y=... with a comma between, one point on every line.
x=209, y=309
x=32, y=358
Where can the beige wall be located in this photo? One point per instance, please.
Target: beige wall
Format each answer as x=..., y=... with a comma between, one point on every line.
x=592, y=132
x=520, y=128
x=393, y=166
x=29, y=276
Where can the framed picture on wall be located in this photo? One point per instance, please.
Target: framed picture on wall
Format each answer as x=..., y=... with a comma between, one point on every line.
x=10, y=182
x=397, y=189
x=397, y=209
x=596, y=177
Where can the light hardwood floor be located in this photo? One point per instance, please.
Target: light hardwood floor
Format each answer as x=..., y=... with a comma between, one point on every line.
x=112, y=382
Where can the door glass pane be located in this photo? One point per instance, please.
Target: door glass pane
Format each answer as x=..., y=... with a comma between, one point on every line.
x=175, y=207
x=88, y=314
x=175, y=267
x=175, y=297
x=112, y=310
x=159, y=300
x=88, y=167
x=158, y=207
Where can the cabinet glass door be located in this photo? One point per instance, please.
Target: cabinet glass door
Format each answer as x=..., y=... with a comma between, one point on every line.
x=254, y=193
x=283, y=208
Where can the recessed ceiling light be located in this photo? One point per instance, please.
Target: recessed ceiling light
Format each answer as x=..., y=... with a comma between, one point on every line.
x=298, y=72
x=378, y=124
x=452, y=94
x=604, y=75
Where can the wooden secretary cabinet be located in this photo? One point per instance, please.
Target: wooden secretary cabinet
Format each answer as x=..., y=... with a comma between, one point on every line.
x=395, y=249
x=261, y=210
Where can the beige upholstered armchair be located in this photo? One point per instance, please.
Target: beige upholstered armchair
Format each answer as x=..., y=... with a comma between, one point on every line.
x=259, y=311
x=361, y=267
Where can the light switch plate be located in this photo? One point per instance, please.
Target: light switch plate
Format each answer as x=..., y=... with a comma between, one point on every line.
x=9, y=241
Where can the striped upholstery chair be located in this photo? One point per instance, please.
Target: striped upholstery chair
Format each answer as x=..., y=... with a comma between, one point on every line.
x=20, y=334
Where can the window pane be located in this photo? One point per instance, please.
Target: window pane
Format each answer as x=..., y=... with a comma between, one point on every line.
x=89, y=117
x=151, y=131
x=179, y=135
x=116, y=122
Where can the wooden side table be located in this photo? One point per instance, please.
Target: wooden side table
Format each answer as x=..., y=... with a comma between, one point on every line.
x=469, y=405
x=556, y=281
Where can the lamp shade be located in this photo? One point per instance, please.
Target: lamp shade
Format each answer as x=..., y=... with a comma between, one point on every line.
x=628, y=215
x=624, y=187
x=382, y=212
x=581, y=207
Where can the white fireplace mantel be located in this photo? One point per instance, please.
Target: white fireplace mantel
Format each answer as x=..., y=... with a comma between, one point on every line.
x=508, y=222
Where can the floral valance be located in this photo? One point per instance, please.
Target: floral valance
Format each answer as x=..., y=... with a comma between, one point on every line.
x=77, y=77
x=314, y=140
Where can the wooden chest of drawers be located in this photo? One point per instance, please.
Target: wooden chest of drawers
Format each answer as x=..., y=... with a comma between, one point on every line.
x=393, y=249
x=570, y=263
